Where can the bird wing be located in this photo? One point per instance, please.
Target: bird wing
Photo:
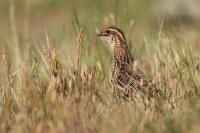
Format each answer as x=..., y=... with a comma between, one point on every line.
x=139, y=81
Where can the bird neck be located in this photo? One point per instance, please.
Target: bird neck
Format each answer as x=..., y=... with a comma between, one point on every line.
x=121, y=55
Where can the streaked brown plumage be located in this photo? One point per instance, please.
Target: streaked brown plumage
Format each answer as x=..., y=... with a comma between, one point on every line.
x=130, y=81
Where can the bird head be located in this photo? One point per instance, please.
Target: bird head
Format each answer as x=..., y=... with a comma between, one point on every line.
x=111, y=36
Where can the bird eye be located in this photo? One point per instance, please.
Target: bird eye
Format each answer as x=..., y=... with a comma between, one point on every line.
x=108, y=31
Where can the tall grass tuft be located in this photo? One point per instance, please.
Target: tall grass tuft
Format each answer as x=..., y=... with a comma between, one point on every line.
x=53, y=92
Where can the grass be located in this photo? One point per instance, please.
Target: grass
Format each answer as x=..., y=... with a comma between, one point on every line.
x=63, y=86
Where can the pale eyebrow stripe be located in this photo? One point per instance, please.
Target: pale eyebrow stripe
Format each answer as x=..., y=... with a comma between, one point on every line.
x=119, y=33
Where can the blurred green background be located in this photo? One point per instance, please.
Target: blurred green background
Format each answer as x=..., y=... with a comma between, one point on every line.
x=33, y=17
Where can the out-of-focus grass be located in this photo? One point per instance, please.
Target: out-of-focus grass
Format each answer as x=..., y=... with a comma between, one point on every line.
x=64, y=82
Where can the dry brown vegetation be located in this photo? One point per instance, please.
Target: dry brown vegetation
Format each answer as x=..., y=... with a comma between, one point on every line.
x=61, y=86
